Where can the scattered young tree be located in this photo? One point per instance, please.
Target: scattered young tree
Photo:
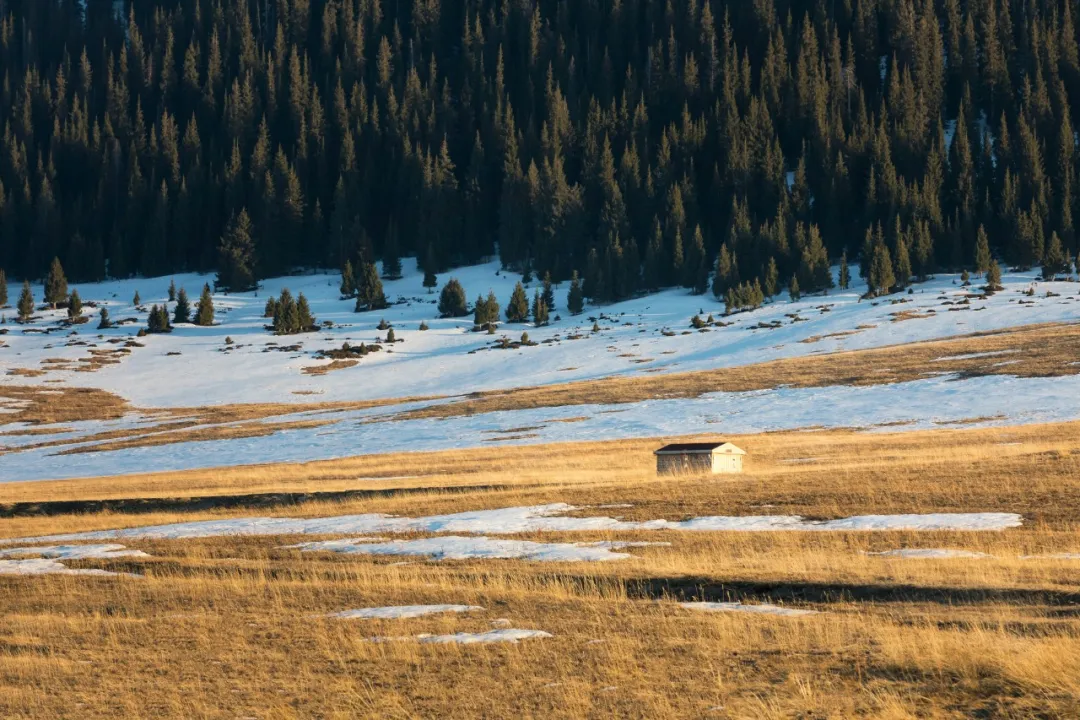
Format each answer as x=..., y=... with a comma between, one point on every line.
x=452, y=302
x=3, y=289
x=158, y=321
x=431, y=281
x=172, y=291
x=348, y=281
x=549, y=292
x=105, y=323
x=136, y=301
x=56, y=288
x=517, y=310
x=26, y=303
x=369, y=289
x=793, y=289
x=486, y=311
x=303, y=310
x=772, y=278
x=539, y=310
x=1054, y=259
x=845, y=272
x=993, y=277
x=982, y=252
x=236, y=255
x=74, y=306
x=390, y=336
x=204, y=310
x=291, y=316
x=270, y=307
x=881, y=278
x=182, y=311
x=575, y=298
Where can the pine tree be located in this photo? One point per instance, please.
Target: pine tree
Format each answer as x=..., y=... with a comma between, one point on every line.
x=158, y=321
x=452, y=302
x=26, y=303
x=993, y=277
x=431, y=281
x=845, y=272
x=56, y=290
x=881, y=278
x=369, y=289
x=539, y=310
x=236, y=269
x=390, y=336
x=1054, y=259
x=549, y=292
x=182, y=312
x=982, y=252
x=204, y=311
x=517, y=311
x=172, y=291
x=136, y=300
x=303, y=311
x=3, y=289
x=74, y=306
x=104, y=323
x=575, y=298
x=772, y=278
x=348, y=281
x=726, y=274
x=391, y=257
x=793, y=289
x=902, y=265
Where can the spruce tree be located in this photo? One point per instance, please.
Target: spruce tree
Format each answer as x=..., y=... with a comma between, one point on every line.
x=3, y=289
x=236, y=255
x=845, y=272
x=391, y=255
x=26, y=303
x=539, y=310
x=902, y=265
x=793, y=289
x=575, y=298
x=303, y=311
x=172, y=291
x=431, y=280
x=104, y=323
x=452, y=302
x=993, y=277
x=982, y=252
x=549, y=292
x=348, y=281
x=1054, y=259
x=136, y=300
x=881, y=279
x=158, y=321
x=56, y=290
x=772, y=278
x=182, y=312
x=204, y=311
x=517, y=311
x=369, y=289
x=480, y=312
x=74, y=306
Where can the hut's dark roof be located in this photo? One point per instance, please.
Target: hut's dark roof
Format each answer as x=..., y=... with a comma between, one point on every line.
x=691, y=447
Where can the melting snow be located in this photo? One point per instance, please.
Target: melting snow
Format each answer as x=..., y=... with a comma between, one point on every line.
x=48, y=562
x=930, y=553
x=504, y=635
x=764, y=609
x=398, y=612
x=454, y=547
x=512, y=520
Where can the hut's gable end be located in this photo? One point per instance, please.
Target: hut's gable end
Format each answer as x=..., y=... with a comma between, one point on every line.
x=699, y=458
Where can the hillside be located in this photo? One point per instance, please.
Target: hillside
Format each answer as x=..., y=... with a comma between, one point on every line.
x=236, y=393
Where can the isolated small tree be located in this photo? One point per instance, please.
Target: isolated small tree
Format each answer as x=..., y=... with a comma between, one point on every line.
x=105, y=323
x=3, y=289
x=236, y=266
x=517, y=311
x=982, y=251
x=431, y=281
x=136, y=301
x=549, y=292
x=423, y=326
x=390, y=336
x=793, y=289
x=575, y=298
x=369, y=289
x=772, y=278
x=452, y=300
x=348, y=281
x=303, y=312
x=965, y=278
x=26, y=303
x=539, y=310
x=270, y=307
x=204, y=311
x=524, y=338
x=993, y=277
x=158, y=321
x=74, y=305
x=845, y=272
x=182, y=312
x=172, y=290
x=1054, y=260
x=56, y=289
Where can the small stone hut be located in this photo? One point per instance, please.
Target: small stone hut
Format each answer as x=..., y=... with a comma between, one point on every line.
x=716, y=458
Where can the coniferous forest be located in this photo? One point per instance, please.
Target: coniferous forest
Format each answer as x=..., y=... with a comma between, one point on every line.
x=719, y=145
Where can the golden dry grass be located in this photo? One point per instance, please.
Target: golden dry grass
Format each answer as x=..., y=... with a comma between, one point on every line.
x=221, y=627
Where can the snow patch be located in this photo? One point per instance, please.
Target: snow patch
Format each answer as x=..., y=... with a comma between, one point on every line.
x=478, y=548
x=48, y=560
x=930, y=553
x=505, y=635
x=763, y=609
x=400, y=612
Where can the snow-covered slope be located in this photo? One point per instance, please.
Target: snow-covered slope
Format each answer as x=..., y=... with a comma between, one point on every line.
x=192, y=366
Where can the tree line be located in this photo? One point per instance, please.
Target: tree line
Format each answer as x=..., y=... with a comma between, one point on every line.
x=709, y=144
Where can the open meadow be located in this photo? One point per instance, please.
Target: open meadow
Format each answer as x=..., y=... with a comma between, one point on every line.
x=220, y=618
